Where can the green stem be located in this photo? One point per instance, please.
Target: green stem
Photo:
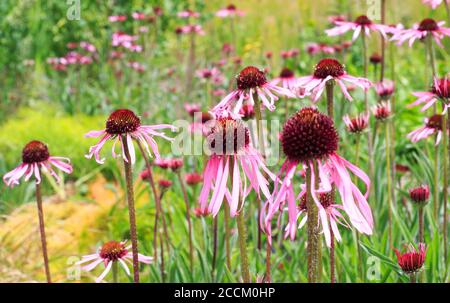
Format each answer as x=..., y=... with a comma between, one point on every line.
x=332, y=258
x=330, y=102
x=188, y=219
x=259, y=130
x=421, y=228
x=227, y=235
x=358, y=247
x=42, y=231
x=367, y=110
x=131, y=210
x=430, y=53
x=242, y=236
x=389, y=183
x=215, y=238
x=445, y=158
x=114, y=271
x=383, y=42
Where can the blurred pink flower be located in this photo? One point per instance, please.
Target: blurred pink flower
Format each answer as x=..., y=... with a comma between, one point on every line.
x=88, y=47
x=291, y=53
x=432, y=126
x=361, y=24
x=136, y=66
x=356, y=124
x=433, y=3
x=440, y=91
x=193, y=178
x=421, y=30
x=382, y=110
x=230, y=11
x=385, y=89
x=192, y=29
x=188, y=14
x=192, y=108
x=117, y=18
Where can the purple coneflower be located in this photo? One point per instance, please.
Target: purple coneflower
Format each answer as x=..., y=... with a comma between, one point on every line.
x=439, y=91
x=251, y=82
x=108, y=254
x=310, y=139
x=229, y=12
x=385, y=89
x=412, y=260
x=357, y=124
x=327, y=70
x=229, y=142
x=427, y=27
x=361, y=24
x=432, y=126
x=124, y=124
x=36, y=157
x=188, y=14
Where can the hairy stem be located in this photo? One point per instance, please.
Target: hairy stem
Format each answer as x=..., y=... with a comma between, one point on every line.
x=332, y=259
x=313, y=235
x=131, y=210
x=42, y=231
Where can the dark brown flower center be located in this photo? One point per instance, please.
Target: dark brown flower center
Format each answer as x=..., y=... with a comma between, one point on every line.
x=309, y=135
x=326, y=200
x=250, y=77
x=228, y=136
x=35, y=151
x=231, y=7
x=363, y=20
x=328, y=67
x=435, y=122
x=428, y=25
x=286, y=73
x=442, y=88
x=113, y=250
x=122, y=121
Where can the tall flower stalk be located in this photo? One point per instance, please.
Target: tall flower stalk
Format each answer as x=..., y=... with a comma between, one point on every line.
x=188, y=217
x=430, y=54
x=42, y=232
x=367, y=109
x=123, y=126
x=313, y=232
x=259, y=133
x=131, y=209
x=36, y=156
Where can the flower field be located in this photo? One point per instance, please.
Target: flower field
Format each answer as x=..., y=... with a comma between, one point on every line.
x=205, y=141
